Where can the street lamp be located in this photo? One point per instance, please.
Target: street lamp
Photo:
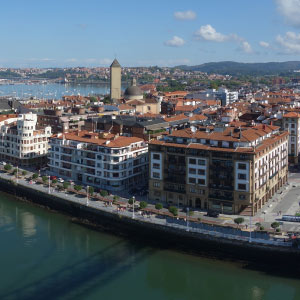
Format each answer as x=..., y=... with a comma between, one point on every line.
x=133, y=201
x=49, y=184
x=250, y=239
x=187, y=219
x=87, y=196
x=17, y=174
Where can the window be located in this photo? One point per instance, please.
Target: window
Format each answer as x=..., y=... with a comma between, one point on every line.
x=242, y=197
x=192, y=171
x=156, y=175
x=156, y=184
x=201, y=172
x=242, y=186
x=156, y=166
x=201, y=162
x=192, y=180
x=192, y=161
x=192, y=190
x=242, y=176
x=156, y=156
x=201, y=181
x=242, y=166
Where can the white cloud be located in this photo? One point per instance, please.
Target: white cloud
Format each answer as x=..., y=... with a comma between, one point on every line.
x=264, y=44
x=246, y=47
x=175, y=42
x=105, y=61
x=185, y=15
x=290, y=42
x=208, y=33
x=290, y=9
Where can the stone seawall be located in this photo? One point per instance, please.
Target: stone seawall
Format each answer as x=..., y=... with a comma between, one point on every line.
x=158, y=235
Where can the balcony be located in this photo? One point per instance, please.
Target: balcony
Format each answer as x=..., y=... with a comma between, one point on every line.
x=221, y=197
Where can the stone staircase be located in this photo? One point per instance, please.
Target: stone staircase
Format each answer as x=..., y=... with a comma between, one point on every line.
x=246, y=211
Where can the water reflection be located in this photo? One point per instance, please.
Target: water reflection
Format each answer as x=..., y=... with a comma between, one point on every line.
x=28, y=224
x=69, y=261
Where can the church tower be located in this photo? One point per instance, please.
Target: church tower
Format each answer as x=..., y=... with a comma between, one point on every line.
x=115, y=80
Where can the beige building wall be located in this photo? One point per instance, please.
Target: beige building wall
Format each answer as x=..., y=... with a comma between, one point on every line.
x=115, y=81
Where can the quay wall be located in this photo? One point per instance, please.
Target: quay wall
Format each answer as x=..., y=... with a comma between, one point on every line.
x=160, y=236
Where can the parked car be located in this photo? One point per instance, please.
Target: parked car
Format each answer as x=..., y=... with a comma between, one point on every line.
x=212, y=213
x=2, y=163
x=60, y=180
x=53, y=177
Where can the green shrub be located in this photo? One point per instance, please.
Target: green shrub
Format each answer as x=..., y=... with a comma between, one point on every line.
x=45, y=179
x=91, y=190
x=77, y=188
x=54, y=181
x=103, y=193
x=143, y=204
x=275, y=225
x=116, y=198
x=15, y=171
x=239, y=220
x=7, y=167
x=277, y=229
x=173, y=210
x=261, y=228
x=158, y=206
x=24, y=173
x=66, y=185
x=35, y=176
x=130, y=201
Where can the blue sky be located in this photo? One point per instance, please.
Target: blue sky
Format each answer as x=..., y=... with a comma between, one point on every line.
x=143, y=33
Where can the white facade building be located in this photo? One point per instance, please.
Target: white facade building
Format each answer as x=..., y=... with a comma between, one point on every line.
x=102, y=160
x=22, y=142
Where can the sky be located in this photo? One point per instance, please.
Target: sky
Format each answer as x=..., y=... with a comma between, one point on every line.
x=69, y=33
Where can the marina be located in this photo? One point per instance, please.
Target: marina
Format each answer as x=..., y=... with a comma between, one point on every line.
x=52, y=90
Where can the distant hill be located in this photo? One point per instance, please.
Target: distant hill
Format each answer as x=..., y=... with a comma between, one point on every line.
x=236, y=68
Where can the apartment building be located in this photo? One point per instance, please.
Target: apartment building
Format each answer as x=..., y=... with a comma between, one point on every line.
x=291, y=123
x=22, y=141
x=103, y=160
x=230, y=170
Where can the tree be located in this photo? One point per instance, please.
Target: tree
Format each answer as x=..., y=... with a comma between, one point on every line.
x=54, y=181
x=103, y=193
x=15, y=171
x=143, y=204
x=239, y=221
x=131, y=200
x=116, y=197
x=77, y=188
x=66, y=185
x=275, y=225
x=7, y=167
x=173, y=210
x=93, y=99
x=35, y=176
x=91, y=190
x=24, y=173
x=158, y=206
x=45, y=178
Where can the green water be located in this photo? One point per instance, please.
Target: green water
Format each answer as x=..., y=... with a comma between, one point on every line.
x=44, y=255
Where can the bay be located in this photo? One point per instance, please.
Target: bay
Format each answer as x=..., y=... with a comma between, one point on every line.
x=53, y=90
x=44, y=255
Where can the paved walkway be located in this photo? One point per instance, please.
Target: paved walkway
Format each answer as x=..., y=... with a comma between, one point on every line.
x=179, y=223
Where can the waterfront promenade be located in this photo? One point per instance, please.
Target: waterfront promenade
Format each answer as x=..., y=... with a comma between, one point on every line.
x=149, y=215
